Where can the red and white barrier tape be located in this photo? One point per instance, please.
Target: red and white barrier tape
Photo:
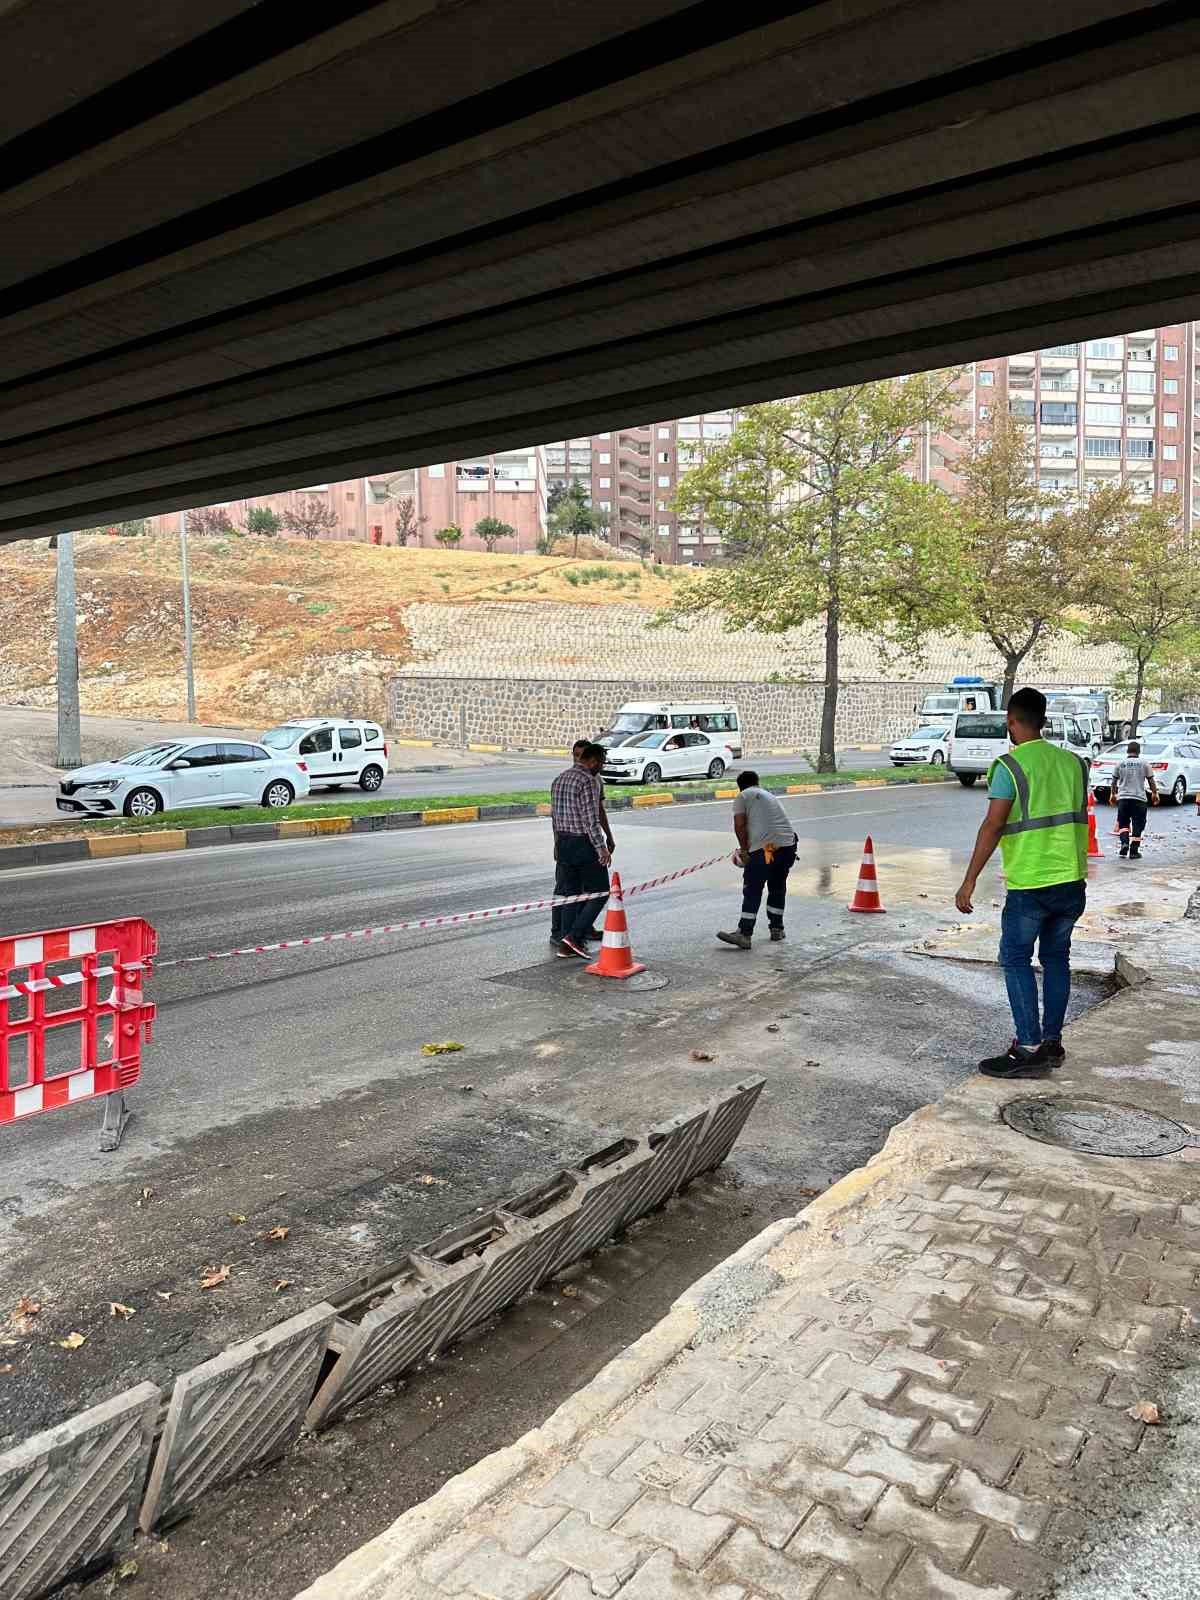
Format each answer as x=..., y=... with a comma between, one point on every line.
x=64, y=980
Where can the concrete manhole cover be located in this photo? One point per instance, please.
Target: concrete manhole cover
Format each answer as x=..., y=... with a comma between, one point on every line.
x=1097, y=1127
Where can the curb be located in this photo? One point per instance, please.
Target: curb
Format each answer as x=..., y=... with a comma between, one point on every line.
x=107, y=847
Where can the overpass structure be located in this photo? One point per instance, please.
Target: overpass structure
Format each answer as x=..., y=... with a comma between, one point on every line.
x=251, y=245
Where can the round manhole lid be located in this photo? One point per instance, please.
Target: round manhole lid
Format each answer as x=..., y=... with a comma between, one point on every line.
x=642, y=983
x=1097, y=1127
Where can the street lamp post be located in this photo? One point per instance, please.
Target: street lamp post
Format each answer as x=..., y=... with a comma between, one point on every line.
x=187, y=618
x=68, y=754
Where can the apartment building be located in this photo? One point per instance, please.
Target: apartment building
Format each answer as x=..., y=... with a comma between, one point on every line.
x=1122, y=407
x=510, y=485
x=632, y=474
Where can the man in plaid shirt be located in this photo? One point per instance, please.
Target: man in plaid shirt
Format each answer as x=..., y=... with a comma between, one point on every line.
x=576, y=810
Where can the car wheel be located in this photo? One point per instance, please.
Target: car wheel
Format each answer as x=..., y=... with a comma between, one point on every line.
x=967, y=779
x=142, y=803
x=1179, y=790
x=938, y=759
x=277, y=795
x=651, y=773
x=371, y=779
x=716, y=768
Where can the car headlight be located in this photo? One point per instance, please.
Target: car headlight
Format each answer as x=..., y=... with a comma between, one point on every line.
x=104, y=785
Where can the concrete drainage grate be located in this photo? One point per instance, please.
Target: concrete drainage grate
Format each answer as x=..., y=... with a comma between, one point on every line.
x=1098, y=1127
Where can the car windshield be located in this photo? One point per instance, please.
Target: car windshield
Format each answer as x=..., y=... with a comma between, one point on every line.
x=1157, y=747
x=981, y=726
x=940, y=702
x=152, y=755
x=632, y=722
x=928, y=733
x=651, y=741
x=282, y=738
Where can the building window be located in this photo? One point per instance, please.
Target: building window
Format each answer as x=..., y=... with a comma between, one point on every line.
x=604, y=505
x=1170, y=352
x=1022, y=408
x=664, y=433
x=1097, y=413
x=604, y=436
x=1140, y=382
x=1062, y=350
x=1101, y=447
x=664, y=456
x=1105, y=349
x=1170, y=385
x=1170, y=452
x=664, y=529
x=606, y=483
x=1065, y=413
x=1170, y=419
x=1140, y=449
x=438, y=471
x=606, y=460
x=1169, y=485
x=664, y=505
x=664, y=483
x=985, y=412
x=987, y=377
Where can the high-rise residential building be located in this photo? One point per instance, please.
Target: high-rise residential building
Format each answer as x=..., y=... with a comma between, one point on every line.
x=1118, y=408
x=510, y=485
x=631, y=474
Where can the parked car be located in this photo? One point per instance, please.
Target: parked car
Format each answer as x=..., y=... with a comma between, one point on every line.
x=336, y=750
x=1170, y=725
x=925, y=745
x=667, y=754
x=719, y=718
x=976, y=739
x=180, y=773
x=1175, y=764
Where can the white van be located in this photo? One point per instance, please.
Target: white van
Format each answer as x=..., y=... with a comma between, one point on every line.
x=336, y=750
x=976, y=739
x=1073, y=733
x=720, y=719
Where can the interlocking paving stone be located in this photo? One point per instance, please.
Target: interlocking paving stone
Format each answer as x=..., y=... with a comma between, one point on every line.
x=923, y=1579
x=952, y=1537
x=692, y=1535
x=774, y=1517
x=777, y=1575
x=1025, y=1519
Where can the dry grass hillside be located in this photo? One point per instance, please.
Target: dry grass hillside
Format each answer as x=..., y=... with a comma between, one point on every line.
x=281, y=626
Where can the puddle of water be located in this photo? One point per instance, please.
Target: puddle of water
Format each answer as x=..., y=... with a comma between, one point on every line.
x=1143, y=908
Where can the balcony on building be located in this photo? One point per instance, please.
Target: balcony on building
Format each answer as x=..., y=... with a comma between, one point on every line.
x=1060, y=358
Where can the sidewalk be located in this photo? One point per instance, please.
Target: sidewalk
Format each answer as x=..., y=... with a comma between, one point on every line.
x=923, y=1387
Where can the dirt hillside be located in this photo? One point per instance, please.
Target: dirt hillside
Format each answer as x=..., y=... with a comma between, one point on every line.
x=281, y=626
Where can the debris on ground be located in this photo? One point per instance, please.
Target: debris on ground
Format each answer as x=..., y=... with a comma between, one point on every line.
x=72, y=1341
x=213, y=1276
x=702, y=1055
x=1145, y=1411
x=116, y=1309
x=279, y=1231
x=447, y=1047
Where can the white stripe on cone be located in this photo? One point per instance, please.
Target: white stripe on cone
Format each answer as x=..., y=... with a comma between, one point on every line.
x=615, y=941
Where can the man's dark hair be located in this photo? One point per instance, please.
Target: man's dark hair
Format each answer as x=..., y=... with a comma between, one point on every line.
x=593, y=752
x=1135, y=748
x=747, y=780
x=1029, y=708
x=579, y=747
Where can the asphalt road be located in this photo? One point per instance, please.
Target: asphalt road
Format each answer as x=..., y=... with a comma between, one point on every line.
x=290, y=1090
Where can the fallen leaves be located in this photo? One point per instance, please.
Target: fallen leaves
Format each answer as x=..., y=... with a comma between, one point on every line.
x=284, y=1283
x=702, y=1055
x=146, y=1195
x=447, y=1047
x=72, y=1341
x=214, y=1276
x=236, y=1218
x=20, y=1318
x=116, y=1309
x=277, y=1232
x=569, y=1291
x=428, y=1180
x=1146, y=1411
x=163, y=1294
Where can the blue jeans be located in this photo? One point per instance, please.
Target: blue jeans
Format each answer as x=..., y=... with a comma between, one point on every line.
x=1044, y=917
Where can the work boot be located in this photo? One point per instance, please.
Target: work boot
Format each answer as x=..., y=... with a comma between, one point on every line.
x=1016, y=1062
x=1135, y=852
x=1124, y=851
x=739, y=940
x=778, y=935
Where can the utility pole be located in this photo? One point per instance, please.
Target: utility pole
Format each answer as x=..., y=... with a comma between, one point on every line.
x=187, y=619
x=69, y=754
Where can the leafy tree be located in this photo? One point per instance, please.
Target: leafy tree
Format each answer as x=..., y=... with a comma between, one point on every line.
x=138, y=528
x=557, y=491
x=210, y=522
x=1028, y=556
x=490, y=529
x=1147, y=598
x=310, y=518
x=263, y=521
x=449, y=536
x=573, y=517
x=827, y=525
x=408, y=523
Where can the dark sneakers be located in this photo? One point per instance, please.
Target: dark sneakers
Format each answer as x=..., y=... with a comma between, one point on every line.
x=1016, y=1062
x=738, y=939
x=1053, y=1052
x=778, y=935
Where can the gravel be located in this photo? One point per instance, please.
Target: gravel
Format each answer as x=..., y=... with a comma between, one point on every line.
x=734, y=1293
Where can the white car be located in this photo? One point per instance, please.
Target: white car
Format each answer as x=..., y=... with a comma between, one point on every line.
x=925, y=746
x=180, y=773
x=336, y=750
x=667, y=754
x=1169, y=725
x=1175, y=764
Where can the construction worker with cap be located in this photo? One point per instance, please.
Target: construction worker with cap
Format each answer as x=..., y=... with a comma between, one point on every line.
x=1037, y=814
x=766, y=853
x=1130, y=782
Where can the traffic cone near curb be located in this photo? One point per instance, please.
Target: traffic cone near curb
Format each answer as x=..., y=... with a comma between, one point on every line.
x=1094, y=850
x=616, y=956
x=866, y=895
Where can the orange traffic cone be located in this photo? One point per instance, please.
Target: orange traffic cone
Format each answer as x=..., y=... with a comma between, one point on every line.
x=866, y=895
x=1094, y=849
x=616, y=956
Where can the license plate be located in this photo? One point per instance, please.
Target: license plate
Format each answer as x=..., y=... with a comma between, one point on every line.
x=64, y=805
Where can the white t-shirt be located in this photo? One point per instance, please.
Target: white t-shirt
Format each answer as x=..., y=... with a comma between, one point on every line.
x=766, y=820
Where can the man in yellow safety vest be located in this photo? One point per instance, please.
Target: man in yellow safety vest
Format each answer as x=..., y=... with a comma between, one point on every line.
x=1037, y=814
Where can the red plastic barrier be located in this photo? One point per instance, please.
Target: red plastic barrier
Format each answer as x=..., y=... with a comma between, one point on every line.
x=73, y=1019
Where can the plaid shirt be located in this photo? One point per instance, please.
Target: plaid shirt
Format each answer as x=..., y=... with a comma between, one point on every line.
x=575, y=804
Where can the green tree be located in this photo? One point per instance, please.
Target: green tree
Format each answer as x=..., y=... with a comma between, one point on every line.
x=1147, y=599
x=826, y=525
x=449, y=536
x=1028, y=557
x=408, y=523
x=310, y=518
x=490, y=529
x=264, y=522
x=573, y=517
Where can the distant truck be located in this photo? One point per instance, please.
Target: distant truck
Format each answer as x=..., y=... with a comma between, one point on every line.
x=960, y=694
x=1095, y=707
